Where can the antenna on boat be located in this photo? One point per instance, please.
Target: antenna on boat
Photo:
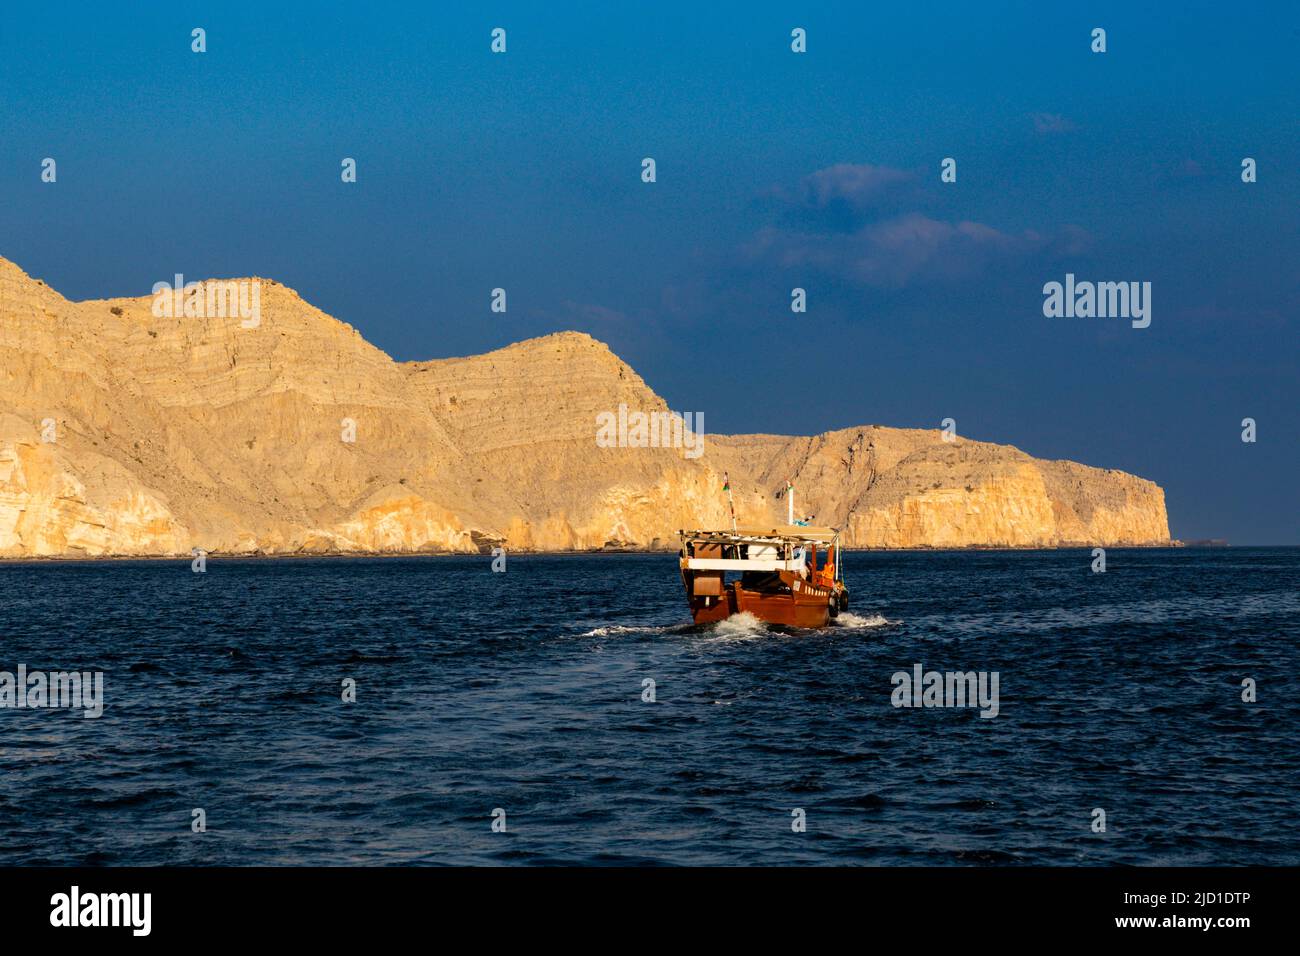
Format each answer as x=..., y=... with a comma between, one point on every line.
x=789, y=501
x=726, y=486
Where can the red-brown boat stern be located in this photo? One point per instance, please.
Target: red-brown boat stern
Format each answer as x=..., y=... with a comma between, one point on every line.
x=778, y=580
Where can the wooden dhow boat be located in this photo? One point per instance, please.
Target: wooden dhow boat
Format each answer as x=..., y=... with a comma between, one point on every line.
x=772, y=573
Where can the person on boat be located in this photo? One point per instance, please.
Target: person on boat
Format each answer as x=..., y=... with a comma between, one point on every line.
x=825, y=577
x=801, y=558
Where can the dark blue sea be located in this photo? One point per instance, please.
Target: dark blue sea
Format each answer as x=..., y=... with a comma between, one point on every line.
x=523, y=691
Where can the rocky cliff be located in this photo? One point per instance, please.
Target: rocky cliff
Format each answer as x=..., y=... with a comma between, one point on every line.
x=123, y=432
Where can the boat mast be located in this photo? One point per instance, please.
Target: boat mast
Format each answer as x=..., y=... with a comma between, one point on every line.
x=789, y=502
x=726, y=486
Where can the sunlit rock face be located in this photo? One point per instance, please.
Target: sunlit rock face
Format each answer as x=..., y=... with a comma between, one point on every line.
x=127, y=432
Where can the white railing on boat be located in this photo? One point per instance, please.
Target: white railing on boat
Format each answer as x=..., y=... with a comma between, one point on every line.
x=739, y=564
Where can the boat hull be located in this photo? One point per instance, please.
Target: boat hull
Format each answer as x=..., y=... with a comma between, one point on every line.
x=807, y=607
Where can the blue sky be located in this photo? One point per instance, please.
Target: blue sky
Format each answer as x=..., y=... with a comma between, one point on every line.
x=775, y=170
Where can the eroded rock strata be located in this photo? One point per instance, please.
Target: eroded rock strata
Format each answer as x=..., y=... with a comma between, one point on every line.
x=127, y=433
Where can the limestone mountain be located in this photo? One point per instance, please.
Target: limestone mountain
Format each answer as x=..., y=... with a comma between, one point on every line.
x=126, y=433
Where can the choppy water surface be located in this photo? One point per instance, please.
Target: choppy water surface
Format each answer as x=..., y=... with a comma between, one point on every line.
x=523, y=691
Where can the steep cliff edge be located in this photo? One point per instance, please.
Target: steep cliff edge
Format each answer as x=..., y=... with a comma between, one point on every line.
x=127, y=433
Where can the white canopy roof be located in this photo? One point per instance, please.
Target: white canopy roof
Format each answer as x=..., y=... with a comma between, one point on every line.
x=792, y=532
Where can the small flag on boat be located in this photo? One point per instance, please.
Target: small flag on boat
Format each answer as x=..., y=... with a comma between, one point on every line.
x=726, y=483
